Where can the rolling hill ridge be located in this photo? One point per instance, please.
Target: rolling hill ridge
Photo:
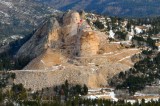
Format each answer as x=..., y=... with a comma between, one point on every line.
x=120, y=8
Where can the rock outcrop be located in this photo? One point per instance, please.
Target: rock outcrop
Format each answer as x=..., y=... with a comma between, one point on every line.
x=71, y=36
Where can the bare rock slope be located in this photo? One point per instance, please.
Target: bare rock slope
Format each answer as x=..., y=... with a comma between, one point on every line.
x=66, y=48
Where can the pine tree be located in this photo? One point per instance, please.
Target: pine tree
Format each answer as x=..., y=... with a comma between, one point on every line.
x=85, y=89
x=66, y=89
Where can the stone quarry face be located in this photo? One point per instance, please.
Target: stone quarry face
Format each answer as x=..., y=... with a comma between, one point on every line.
x=89, y=44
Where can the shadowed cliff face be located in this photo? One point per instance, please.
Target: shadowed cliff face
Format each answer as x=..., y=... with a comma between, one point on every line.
x=69, y=36
x=37, y=44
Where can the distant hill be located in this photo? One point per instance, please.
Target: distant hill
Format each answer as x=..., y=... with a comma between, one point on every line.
x=129, y=8
x=20, y=17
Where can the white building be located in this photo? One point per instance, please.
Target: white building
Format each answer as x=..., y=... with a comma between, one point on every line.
x=111, y=34
x=140, y=29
